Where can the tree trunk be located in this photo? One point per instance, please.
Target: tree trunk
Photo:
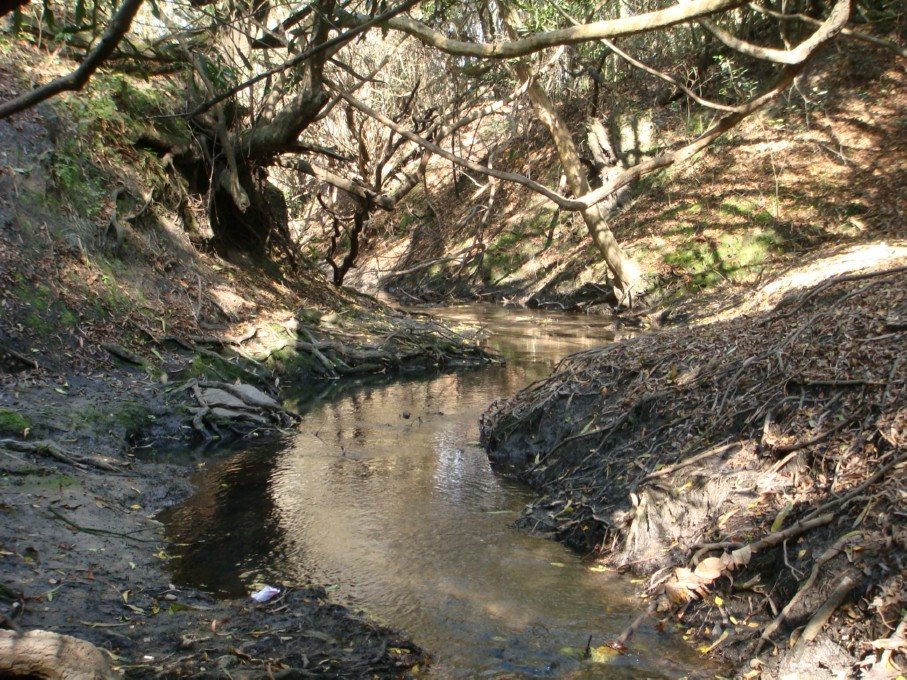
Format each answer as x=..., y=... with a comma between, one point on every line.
x=626, y=271
x=264, y=222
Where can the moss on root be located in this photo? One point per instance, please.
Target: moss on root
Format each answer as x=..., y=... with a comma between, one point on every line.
x=13, y=422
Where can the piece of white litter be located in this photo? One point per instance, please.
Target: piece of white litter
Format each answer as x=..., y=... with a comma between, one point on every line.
x=265, y=594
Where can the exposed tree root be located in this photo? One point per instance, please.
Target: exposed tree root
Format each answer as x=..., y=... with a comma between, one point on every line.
x=49, y=448
x=50, y=656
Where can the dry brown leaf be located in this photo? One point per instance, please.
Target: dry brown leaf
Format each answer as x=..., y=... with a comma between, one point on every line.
x=738, y=558
x=677, y=593
x=710, y=568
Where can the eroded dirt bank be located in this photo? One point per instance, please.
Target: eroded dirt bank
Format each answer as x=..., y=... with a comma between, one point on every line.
x=83, y=556
x=111, y=351
x=752, y=467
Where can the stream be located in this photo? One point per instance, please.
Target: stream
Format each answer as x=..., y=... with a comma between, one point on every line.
x=384, y=497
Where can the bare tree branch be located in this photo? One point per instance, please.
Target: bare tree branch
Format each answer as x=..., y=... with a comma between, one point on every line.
x=648, y=69
x=335, y=180
x=466, y=163
x=119, y=25
x=840, y=12
x=850, y=33
x=651, y=71
x=325, y=46
x=833, y=25
x=668, y=79
x=612, y=28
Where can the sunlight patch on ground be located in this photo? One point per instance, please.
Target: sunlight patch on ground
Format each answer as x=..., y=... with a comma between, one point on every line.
x=867, y=257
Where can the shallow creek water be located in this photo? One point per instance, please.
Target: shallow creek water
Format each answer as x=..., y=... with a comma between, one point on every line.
x=385, y=497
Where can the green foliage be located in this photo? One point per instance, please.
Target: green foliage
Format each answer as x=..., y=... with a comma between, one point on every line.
x=544, y=16
x=128, y=415
x=81, y=182
x=13, y=422
x=108, y=114
x=737, y=83
x=221, y=76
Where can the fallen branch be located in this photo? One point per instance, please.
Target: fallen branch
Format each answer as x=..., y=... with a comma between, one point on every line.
x=51, y=449
x=93, y=530
x=708, y=453
x=620, y=644
x=832, y=552
x=772, y=539
x=847, y=583
x=123, y=353
x=18, y=356
x=803, y=298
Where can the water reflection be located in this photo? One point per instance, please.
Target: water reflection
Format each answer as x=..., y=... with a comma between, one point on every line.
x=384, y=496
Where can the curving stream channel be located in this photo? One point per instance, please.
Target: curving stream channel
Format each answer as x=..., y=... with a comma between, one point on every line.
x=385, y=497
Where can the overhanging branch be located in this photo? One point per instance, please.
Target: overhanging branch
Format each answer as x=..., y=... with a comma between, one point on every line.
x=833, y=25
x=611, y=28
x=841, y=9
x=850, y=33
x=119, y=25
x=336, y=41
x=335, y=180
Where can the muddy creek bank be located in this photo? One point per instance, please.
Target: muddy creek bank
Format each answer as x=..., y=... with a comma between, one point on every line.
x=385, y=498
x=754, y=467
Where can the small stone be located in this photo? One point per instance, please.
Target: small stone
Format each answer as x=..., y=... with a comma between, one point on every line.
x=226, y=661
